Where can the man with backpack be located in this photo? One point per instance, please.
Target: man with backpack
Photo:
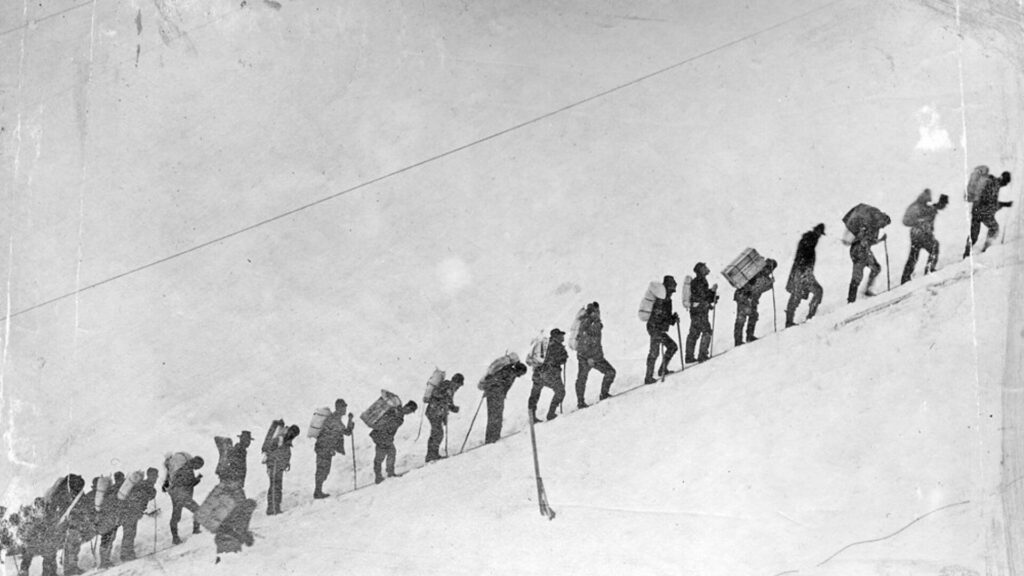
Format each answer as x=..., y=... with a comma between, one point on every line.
x=590, y=355
x=442, y=401
x=702, y=300
x=549, y=374
x=134, y=509
x=802, y=282
x=329, y=442
x=232, y=467
x=496, y=387
x=279, y=461
x=864, y=223
x=658, y=323
x=984, y=209
x=747, y=299
x=920, y=217
x=181, y=488
x=108, y=518
x=383, y=436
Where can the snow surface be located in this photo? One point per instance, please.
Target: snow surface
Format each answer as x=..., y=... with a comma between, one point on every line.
x=772, y=117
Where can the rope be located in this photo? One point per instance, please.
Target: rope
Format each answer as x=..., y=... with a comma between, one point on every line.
x=423, y=162
x=915, y=521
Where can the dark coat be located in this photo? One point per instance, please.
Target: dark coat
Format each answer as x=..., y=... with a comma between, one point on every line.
x=661, y=315
x=751, y=292
x=331, y=439
x=138, y=500
x=183, y=483
x=701, y=294
x=498, y=384
x=442, y=401
x=803, y=262
x=988, y=201
x=384, y=434
x=233, y=468
x=280, y=457
x=554, y=358
x=588, y=339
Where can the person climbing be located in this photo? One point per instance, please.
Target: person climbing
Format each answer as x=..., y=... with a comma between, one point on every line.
x=702, y=300
x=329, y=442
x=590, y=355
x=920, y=217
x=549, y=374
x=801, y=282
x=442, y=401
x=747, y=298
x=496, y=387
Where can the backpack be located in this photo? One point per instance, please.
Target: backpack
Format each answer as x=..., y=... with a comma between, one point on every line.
x=655, y=291
x=538, y=350
x=574, y=330
x=863, y=216
x=976, y=184
x=173, y=463
x=686, y=292
x=507, y=360
x=102, y=486
x=129, y=484
x=372, y=415
x=433, y=382
x=317, y=423
x=223, y=445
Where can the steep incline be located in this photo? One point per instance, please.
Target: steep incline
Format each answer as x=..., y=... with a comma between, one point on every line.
x=769, y=459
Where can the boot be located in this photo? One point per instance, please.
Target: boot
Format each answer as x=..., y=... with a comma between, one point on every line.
x=552, y=416
x=378, y=479
x=581, y=405
x=751, y=324
x=789, y=318
x=851, y=295
x=320, y=494
x=195, y=529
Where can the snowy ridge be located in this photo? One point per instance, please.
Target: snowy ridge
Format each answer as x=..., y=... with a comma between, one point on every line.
x=758, y=462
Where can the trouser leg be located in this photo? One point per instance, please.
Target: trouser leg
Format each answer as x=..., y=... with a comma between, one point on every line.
x=323, y=470
x=817, y=292
x=495, y=414
x=752, y=318
x=908, y=269
x=605, y=368
x=435, y=438
x=933, y=255
x=653, y=350
x=582, y=372
x=556, y=400
x=670, y=352
x=379, y=454
x=391, y=454
x=129, y=531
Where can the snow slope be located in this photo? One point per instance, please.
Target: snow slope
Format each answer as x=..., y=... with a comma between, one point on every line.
x=765, y=120
x=756, y=463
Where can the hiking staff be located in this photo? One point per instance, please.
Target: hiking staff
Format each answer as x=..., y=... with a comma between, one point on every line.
x=775, y=312
x=714, y=312
x=461, y=450
x=679, y=335
x=354, y=485
x=446, y=439
x=542, y=497
x=420, y=429
x=888, y=279
x=560, y=411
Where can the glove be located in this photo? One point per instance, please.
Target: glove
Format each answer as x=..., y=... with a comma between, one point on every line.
x=1007, y=204
x=455, y=409
x=883, y=238
x=675, y=320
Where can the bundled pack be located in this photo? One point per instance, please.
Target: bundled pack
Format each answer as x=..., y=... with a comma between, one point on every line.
x=372, y=415
x=655, y=291
x=433, y=382
x=500, y=362
x=743, y=268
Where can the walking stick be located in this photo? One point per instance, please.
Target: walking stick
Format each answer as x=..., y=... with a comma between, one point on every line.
x=679, y=335
x=154, y=526
x=888, y=279
x=420, y=429
x=542, y=497
x=446, y=439
x=775, y=312
x=471, y=422
x=354, y=485
x=560, y=411
x=711, y=349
